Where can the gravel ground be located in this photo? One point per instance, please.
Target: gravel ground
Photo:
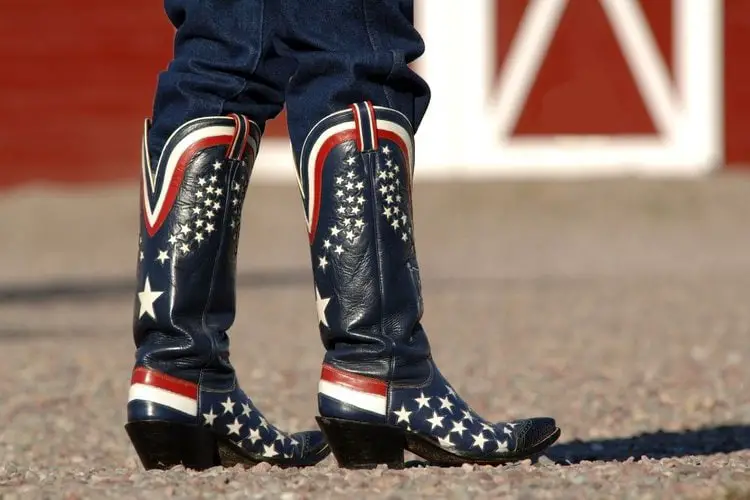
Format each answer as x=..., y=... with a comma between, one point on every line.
x=618, y=307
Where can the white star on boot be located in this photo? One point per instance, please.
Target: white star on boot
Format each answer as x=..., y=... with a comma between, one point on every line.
x=146, y=298
x=321, y=304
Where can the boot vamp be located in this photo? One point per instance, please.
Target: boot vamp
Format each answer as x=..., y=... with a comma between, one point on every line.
x=233, y=414
x=436, y=411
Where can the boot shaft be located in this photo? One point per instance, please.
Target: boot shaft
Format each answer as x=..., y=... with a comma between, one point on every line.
x=191, y=204
x=355, y=176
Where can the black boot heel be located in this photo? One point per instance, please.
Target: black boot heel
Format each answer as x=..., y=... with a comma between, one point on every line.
x=162, y=445
x=361, y=445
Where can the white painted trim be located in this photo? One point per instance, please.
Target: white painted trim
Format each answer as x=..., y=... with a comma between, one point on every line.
x=461, y=135
x=645, y=61
x=525, y=57
x=699, y=68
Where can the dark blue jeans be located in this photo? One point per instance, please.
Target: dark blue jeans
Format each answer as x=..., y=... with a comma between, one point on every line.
x=315, y=56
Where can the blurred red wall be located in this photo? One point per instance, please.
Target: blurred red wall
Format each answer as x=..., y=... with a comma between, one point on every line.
x=76, y=81
x=737, y=82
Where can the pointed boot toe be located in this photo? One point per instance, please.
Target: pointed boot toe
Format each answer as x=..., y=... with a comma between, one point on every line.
x=185, y=405
x=380, y=392
x=537, y=434
x=314, y=446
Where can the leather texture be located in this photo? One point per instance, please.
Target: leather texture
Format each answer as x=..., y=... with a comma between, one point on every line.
x=191, y=206
x=355, y=171
x=191, y=203
x=355, y=181
x=230, y=414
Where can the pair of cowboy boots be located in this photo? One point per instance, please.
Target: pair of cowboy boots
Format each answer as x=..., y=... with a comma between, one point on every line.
x=380, y=392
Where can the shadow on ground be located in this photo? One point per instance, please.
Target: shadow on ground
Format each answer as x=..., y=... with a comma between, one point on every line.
x=72, y=290
x=655, y=445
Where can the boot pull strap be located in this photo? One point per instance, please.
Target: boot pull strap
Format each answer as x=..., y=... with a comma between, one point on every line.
x=366, y=126
x=239, y=145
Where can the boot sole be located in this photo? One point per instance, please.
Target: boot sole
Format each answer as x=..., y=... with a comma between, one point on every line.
x=362, y=445
x=163, y=445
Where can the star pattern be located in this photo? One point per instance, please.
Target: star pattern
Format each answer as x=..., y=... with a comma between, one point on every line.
x=207, y=210
x=350, y=192
x=218, y=190
x=234, y=416
x=438, y=412
x=214, y=198
x=201, y=220
x=348, y=206
x=236, y=198
x=202, y=216
x=392, y=190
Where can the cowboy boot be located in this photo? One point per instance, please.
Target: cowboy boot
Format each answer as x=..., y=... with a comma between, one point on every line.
x=185, y=405
x=380, y=392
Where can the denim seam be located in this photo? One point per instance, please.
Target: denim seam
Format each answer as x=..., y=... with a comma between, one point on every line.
x=253, y=66
x=374, y=47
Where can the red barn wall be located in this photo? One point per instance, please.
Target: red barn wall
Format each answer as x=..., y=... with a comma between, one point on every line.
x=77, y=81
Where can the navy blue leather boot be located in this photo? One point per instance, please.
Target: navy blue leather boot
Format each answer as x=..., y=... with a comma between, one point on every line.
x=380, y=392
x=185, y=405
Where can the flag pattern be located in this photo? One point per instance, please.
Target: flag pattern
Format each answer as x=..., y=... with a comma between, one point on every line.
x=355, y=176
x=434, y=411
x=231, y=414
x=192, y=201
